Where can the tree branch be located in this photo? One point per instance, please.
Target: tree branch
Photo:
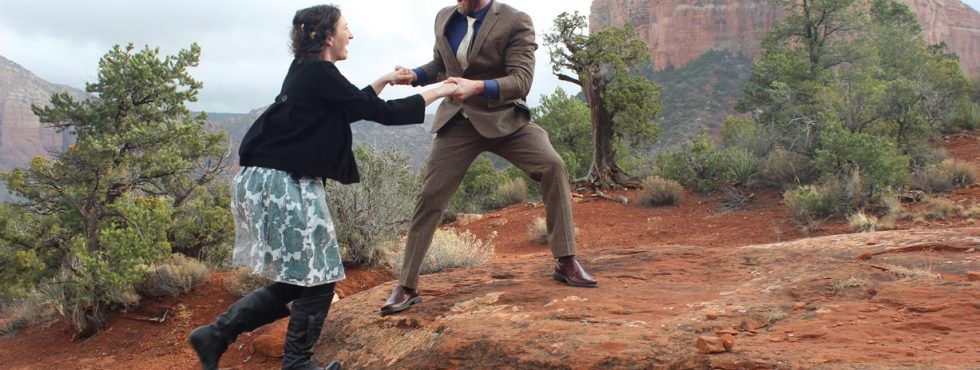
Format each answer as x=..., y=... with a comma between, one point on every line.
x=567, y=78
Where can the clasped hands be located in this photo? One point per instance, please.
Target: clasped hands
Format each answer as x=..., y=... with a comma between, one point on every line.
x=456, y=88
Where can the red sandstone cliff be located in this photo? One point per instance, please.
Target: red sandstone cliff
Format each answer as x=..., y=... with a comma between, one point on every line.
x=678, y=31
x=22, y=136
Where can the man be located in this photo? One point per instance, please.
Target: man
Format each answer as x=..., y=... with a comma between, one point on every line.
x=487, y=49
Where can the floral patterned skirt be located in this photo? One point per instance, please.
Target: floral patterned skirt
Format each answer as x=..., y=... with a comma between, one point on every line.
x=283, y=228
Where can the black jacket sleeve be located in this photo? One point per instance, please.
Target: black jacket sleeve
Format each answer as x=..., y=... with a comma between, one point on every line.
x=364, y=104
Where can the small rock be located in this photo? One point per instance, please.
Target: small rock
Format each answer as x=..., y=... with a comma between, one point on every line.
x=973, y=275
x=709, y=344
x=799, y=306
x=711, y=315
x=728, y=341
x=753, y=322
x=727, y=331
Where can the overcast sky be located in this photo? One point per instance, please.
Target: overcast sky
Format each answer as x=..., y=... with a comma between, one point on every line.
x=245, y=48
x=244, y=43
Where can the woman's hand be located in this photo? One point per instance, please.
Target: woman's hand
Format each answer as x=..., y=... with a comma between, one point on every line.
x=447, y=88
x=400, y=76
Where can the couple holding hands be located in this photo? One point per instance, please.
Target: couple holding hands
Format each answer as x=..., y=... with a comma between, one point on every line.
x=484, y=60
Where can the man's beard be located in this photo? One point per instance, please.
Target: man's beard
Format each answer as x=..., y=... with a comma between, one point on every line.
x=470, y=7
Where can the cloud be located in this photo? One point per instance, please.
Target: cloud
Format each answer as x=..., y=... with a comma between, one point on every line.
x=244, y=43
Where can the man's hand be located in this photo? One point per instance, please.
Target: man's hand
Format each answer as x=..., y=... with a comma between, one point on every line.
x=466, y=89
x=403, y=76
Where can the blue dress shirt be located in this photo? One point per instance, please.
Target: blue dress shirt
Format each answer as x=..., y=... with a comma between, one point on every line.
x=455, y=31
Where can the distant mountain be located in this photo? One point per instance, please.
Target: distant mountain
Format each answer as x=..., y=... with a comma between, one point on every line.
x=413, y=140
x=23, y=137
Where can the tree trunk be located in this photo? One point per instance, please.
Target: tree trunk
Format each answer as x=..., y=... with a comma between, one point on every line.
x=604, y=173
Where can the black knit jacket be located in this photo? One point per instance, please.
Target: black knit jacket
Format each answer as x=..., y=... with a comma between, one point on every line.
x=306, y=132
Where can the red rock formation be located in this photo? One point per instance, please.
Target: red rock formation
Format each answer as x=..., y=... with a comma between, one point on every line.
x=678, y=31
x=22, y=136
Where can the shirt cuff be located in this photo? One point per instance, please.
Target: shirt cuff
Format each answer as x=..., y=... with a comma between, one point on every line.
x=491, y=89
x=420, y=77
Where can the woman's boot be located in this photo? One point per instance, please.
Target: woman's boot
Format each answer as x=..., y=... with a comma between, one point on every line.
x=252, y=311
x=305, y=322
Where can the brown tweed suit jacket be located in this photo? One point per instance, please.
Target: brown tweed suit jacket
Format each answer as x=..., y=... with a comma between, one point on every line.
x=503, y=50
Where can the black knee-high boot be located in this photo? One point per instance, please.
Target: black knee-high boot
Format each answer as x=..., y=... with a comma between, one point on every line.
x=305, y=323
x=248, y=313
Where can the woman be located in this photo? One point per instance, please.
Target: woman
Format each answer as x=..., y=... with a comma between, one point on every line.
x=283, y=227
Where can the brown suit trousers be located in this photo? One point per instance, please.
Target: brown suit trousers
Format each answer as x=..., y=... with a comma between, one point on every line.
x=455, y=147
x=503, y=50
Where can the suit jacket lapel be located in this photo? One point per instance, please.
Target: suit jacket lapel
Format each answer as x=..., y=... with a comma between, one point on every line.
x=448, y=56
x=488, y=22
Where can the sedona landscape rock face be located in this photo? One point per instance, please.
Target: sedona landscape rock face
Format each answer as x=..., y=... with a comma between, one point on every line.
x=22, y=136
x=679, y=31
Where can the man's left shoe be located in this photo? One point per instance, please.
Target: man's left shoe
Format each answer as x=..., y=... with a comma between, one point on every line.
x=401, y=299
x=570, y=272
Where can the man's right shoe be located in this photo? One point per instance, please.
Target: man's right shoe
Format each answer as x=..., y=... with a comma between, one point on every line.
x=570, y=272
x=401, y=299
x=248, y=313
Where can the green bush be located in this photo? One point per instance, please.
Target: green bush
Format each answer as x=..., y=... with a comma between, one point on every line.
x=376, y=211
x=881, y=166
x=810, y=203
x=742, y=168
x=476, y=191
x=782, y=169
x=745, y=133
x=660, y=192
x=697, y=165
x=173, y=277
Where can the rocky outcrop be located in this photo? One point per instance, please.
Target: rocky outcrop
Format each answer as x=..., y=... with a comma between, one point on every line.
x=22, y=136
x=954, y=23
x=878, y=300
x=679, y=31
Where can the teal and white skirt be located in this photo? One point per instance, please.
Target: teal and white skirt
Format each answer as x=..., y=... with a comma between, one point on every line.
x=283, y=228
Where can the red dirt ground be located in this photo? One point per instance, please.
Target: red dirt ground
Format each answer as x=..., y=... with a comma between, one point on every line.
x=604, y=226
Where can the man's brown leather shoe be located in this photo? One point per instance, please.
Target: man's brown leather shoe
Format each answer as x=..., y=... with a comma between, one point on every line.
x=401, y=299
x=568, y=271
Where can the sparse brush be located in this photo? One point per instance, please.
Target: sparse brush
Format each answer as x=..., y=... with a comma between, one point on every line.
x=862, y=222
x=450, y=249
x=512, y=191
x=776, y=315
x=973, y=212
x=892, y=207
x=24, y=312
x=912, y=273
x=945, y=176
x=660, y=192
x=172, y=277
x=852, y=282
x=243, y=281
x=940, y=209
x=537, y=230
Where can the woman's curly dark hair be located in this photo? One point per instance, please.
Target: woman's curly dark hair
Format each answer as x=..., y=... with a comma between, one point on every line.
x=311, y=28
